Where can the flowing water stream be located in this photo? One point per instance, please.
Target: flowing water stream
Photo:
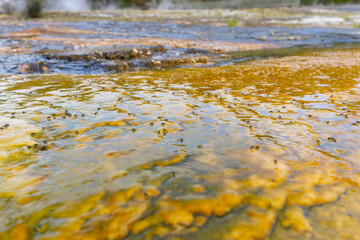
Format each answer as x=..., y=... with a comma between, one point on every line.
x=263, y=149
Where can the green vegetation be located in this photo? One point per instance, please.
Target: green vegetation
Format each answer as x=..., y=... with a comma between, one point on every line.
x=34, y=8
x=232, y=23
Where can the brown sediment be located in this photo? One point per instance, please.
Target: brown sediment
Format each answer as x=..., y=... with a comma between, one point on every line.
x=48, y=30
x=14, y=50
x=37, y=34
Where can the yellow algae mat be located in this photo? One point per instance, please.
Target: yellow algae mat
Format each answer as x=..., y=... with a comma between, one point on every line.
x=266, y=149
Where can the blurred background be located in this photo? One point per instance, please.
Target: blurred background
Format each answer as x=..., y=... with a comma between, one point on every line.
x=9, y=6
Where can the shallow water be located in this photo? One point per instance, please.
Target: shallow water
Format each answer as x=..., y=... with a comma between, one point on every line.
x=31, y=42
x=262, y=149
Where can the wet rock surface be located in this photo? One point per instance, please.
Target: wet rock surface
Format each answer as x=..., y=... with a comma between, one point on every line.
x=79, y=47
x=38, y=67
x=125, y=54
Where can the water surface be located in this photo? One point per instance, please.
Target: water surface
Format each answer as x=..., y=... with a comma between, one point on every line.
x=262, y=149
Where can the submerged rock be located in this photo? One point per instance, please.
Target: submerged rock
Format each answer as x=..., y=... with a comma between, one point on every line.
x=179, y=61
x=38, y=67
x=120, y=54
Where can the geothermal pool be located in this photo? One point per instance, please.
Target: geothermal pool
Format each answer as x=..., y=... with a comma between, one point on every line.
x=239, y=145
x=262, y=149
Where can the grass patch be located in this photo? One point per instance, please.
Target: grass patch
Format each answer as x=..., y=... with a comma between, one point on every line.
x=232, y=22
